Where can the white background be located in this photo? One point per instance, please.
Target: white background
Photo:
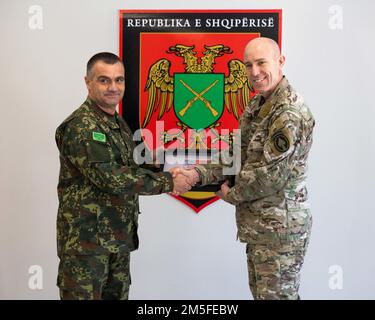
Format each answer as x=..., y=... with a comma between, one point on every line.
x=183, y=255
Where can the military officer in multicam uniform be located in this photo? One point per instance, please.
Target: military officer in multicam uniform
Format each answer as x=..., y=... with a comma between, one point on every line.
x=272, y=210
x=98, y=190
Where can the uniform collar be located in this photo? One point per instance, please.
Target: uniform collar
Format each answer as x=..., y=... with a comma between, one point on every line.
x=272, y=100
x=105, y=118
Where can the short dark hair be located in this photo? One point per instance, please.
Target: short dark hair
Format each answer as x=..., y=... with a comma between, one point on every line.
x=106, y=57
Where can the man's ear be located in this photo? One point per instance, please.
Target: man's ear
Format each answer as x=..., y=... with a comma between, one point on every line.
x=282, y=60
x=87, y=81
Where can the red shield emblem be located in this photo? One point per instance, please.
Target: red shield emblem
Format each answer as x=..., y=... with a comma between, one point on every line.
x=160, y=48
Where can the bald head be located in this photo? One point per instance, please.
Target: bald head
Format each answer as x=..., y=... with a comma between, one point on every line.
x=264, y=63
x=265, y=44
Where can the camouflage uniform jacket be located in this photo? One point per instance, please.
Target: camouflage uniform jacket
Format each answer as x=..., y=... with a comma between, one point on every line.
x=99, y=184
x=270, y=190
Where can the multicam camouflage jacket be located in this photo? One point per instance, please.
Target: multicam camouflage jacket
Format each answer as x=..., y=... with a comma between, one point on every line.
x=99, y=183
x=270, y=190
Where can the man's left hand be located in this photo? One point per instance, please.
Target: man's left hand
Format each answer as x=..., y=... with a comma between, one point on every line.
x=224, y=189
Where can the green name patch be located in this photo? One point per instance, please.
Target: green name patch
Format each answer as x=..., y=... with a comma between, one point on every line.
x=97, y=136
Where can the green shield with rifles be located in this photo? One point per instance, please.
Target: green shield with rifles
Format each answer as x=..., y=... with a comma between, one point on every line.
x=198, y=98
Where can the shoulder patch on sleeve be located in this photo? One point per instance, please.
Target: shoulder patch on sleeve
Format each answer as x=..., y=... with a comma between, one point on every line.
x=280, y=142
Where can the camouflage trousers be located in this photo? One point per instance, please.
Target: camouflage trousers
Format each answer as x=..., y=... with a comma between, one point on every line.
x=274, y=268
x=94, y=277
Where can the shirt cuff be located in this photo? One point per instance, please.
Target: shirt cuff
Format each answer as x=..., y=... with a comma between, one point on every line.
x=167, y=181
x=230, y=198
x=202, y=171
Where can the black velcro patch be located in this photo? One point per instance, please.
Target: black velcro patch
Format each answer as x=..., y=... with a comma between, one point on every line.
x=281, y=142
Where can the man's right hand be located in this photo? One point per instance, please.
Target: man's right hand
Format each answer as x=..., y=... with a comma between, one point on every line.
x=184, y=179
x=180, y=185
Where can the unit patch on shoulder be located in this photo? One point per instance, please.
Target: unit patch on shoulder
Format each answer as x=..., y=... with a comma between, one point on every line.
x=281, y=142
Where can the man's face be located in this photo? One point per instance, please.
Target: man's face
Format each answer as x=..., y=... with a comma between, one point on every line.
x=263, y=67
x=106, y=84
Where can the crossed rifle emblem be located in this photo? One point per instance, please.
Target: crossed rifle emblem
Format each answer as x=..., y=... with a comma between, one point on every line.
x=200, y=97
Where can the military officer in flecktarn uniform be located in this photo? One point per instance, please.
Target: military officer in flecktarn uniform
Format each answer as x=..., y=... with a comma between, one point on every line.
x=272, y=211
x=98, y=189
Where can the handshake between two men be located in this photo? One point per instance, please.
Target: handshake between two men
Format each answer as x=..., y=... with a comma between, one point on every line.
x=183, y=179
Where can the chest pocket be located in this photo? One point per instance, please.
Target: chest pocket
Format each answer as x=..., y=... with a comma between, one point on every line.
x=98, y=151
x=117, y=155
x=123, y=148
x=255, y=149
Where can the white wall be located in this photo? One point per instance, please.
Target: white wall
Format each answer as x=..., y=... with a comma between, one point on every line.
x=183, y=255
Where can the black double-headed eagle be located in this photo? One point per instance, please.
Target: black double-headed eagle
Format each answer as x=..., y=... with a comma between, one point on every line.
x=160, y=83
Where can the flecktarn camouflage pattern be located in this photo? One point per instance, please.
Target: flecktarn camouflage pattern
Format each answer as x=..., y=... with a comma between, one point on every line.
x=99, y=185
x=95, y=277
